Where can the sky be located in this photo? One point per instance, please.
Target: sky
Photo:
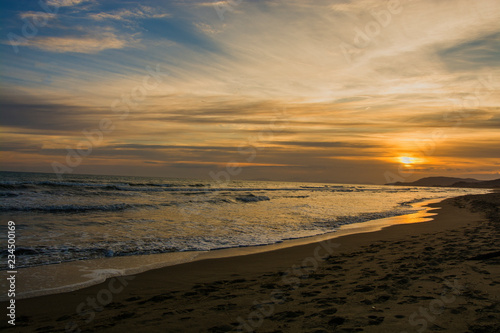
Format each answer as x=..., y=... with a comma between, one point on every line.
x=364, y=91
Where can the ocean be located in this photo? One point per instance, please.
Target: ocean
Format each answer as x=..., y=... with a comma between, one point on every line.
x=84, y=218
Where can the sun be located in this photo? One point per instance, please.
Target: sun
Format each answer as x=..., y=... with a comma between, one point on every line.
x=406, y=160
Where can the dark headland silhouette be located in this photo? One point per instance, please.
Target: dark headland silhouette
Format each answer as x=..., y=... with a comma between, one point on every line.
x=451, y=182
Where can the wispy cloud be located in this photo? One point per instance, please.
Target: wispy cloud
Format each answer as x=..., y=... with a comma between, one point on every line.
x=37, y=16
x=67, y=3
x=89, y=44
x=141, y=12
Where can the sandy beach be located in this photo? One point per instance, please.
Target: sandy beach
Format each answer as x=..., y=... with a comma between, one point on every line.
x=250, y=166
x=442, y=275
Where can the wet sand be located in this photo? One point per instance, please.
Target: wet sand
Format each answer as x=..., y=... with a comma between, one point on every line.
x=442, y=275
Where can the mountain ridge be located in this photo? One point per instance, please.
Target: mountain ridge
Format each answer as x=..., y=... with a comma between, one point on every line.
x=451, y=182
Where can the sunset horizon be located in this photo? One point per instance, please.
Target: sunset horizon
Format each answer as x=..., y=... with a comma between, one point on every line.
x=351, y=92
x=250, y=166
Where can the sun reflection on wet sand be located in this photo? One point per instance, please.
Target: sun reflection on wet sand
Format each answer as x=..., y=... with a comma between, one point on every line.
x=424, y=214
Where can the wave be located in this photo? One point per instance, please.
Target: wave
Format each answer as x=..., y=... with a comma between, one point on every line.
x=363, y=217
x=153, y=187
x=11, y=187
x=75, y=208
x=44, y=255
x=8, y=194
x=252, y=198
x=410, y=202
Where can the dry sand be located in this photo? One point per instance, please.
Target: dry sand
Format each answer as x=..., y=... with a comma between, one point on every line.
x=404, y=278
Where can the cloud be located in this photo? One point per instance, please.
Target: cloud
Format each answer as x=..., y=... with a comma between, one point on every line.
x=21, y=146
x=481, y=119
x=91, y=43
x=31, y=113
x=350, y=7
x=477, y=53
x=37, y=16
x=472, y=149
x=320, y=144
x=66, y=3
x=227, y=77
x=207, y=28
x=73, y=34
x=141, y=12
x=217, y=3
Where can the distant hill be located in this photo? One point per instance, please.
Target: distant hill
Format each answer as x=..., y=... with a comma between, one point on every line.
x=436, y=181
x=482, y=184
x=451, y=182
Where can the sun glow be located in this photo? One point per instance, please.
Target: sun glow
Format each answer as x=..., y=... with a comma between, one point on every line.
x=406, y=160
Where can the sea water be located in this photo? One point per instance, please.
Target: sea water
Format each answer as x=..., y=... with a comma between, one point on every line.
x=89, y=217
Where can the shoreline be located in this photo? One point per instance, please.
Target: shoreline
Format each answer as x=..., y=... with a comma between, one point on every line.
x=96, y=271
x=224, y=293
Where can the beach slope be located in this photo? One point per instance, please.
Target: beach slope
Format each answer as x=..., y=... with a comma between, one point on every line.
x=442, y=275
